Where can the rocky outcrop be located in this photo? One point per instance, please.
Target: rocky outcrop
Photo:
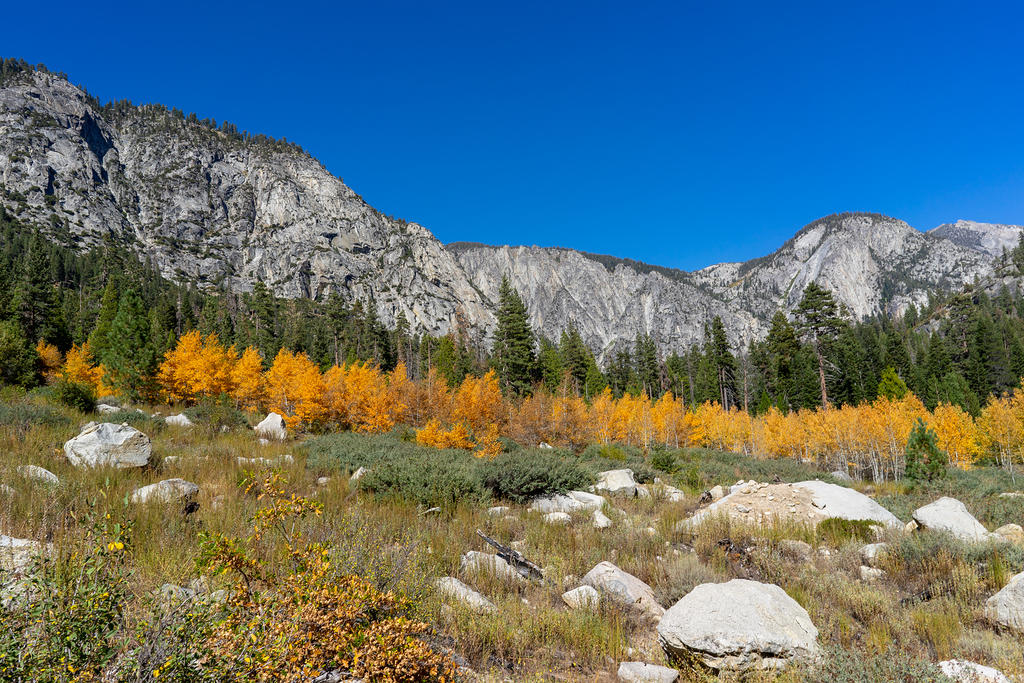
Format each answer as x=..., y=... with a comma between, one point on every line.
x=739, y=624
x=109, y=445
x=1006, y=607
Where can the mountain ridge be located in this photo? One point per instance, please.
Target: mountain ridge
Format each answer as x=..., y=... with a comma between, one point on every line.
x=222, y=209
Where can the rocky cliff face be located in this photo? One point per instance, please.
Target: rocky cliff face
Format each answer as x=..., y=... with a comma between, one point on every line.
x=215, y=208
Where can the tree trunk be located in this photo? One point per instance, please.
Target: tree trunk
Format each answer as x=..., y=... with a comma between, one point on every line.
x=821, y=376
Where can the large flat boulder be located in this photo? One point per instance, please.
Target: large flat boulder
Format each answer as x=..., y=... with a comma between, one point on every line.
x=950, y=516
x=109, y=445
x=962, y=671
x=617, y=482
x=272, y=427
x=166, y=491
x=573, y=501
x=1006, y=607
x=738, y=625
x=846, y=503
x=623, y=587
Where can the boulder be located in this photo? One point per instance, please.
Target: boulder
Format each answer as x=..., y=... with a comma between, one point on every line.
x=641, y=672
x=846, y=503
x=475, y=562
x=671, y=493
x=623, y=587
x=717, y=492
x=872, y=553
x=616, y=482
x=557, y=518
x=841, y=475
x=601, y=520
x=584, y=597
x=357, y=475
x=950, y=516
x=453, y=589
x=870, y=574
x=272, y=427
x=739, y=624
x=962, y=671
x=1012, y=494
x=798, y=551
x=104, y=444
x=166, y=491
x=106, y=409
x=179, y=420
x=1011, y=532
x=1006, y=607
x=38, y=473
x=569, y=502
x=498, y=511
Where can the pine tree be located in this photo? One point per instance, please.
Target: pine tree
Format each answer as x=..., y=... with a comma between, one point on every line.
x=891, y=386
x=101, y=330
x=129, y=358
x=818, y=315
x=34, y=301
x=513, y=348
x=719, y=355
x=19, y=362
x=924, y=461
x=552, y=369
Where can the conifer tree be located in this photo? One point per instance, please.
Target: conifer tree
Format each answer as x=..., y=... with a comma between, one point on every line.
x=924, y=461
x=101, y=330
x=721, y=359
x=129, y=357
x=818, y=315
x=513, y=348
x=891, y=386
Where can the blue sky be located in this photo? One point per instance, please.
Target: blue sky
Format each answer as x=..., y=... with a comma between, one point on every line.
x=676, y=133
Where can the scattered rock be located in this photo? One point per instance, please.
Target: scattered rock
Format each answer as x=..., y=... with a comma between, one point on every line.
x=640, y=672
x=601, y=520
x=545, y=445
x=569, y=502
x=869, y=574
x=1011, y=532
x=557, y=518
x=264, y=442
x=285, y=459
x=1007, y=606
x=872, y=552
x=452, y=588
x=179, y=420
x=1012, y=494
x=623, y=587
x=105, y=444
x=357, y=475
x=739, y=624
x=106, y=409
x=171, y=595
x=797, y=551
x=617, y=482
x=272, y=427
x=167, y=491
x=498, y=511
x=475, y=562
x=38, y=473
x=911, y=527
x=717, y=492
x=17, y=554
x=949, y=515
x=841, y=475
x=323, y=481
x=963, y=671
x=584, y=597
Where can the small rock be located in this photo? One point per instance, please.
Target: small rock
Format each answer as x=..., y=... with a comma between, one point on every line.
x=962, y=671
x=1012, y=494
x=872, y=552
x=166, y=491
x=742, y=509
x=640, y=672
x=106, y=409
x=497, y=511
x=357, y=475
x=557, y=518
x=1011, y=532
x=910, y=527
x=179, y=420
x=266, y=462
x=7, y=490
x=569, y=502
x=869, y=574
x=40, y=474
x=717, y=492
x=584, y=597
x=796, y=550
x=601, y=520
x=323, y=481
x=272, y=427
x=264, y=442
x=841, y=475
x=546, y=446
x=452, y=588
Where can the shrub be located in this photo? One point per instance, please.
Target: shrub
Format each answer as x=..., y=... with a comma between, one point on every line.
x=23, y=416
x=524, y=475
x=664, y=460
x=75, y=395
x=924, y=460
x=217, y=412
x=836, y=532
x=427, y=476
x=843, y=666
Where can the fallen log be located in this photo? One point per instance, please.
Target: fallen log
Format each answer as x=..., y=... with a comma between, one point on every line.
x=515, y=559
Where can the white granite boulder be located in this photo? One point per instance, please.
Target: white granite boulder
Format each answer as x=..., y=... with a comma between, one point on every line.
x=166, y=491
x=475, y=562
x=641, y=672
x=105, y=444
x=962, y=671
x=845, y=503
x=272, y=427
x=584, y=597
x=1006, y=607
x=567, y=502
x=38, y=474
x=623, y=587
x=738, y=625
x=950, y=516
x=453, y=589
x=179, y=420
x=617, y=482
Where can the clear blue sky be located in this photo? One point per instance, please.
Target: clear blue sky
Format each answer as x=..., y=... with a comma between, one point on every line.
x=676, y=133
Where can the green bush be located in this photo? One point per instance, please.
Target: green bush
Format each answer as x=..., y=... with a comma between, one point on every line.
x=664, y=460
x=836, y=532
x=23, y=416
x=217, y=412
x=524, y=475
x=846, y=666
x=429, y=477
x=75, y=395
